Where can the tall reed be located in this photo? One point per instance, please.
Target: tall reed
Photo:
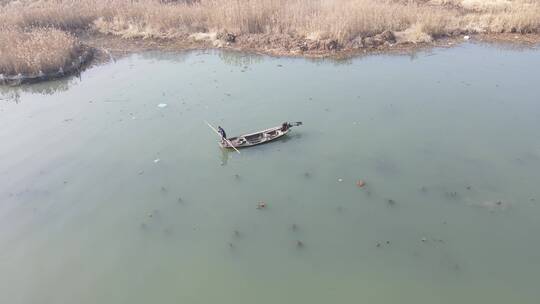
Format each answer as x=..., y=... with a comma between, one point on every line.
x=32, y=30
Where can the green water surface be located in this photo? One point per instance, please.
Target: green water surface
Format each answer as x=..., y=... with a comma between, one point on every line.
x=107, y=198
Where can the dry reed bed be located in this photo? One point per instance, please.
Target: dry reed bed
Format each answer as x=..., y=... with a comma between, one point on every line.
x=40, y=51
x=34, y=34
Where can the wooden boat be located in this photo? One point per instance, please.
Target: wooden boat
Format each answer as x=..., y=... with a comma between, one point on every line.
x=260, y=137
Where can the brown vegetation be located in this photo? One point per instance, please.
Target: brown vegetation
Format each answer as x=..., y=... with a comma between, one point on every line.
x=39, y=51
x=34, y=34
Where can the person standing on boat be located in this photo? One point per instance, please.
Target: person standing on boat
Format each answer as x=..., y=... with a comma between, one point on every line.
x=222, y=133
x=285, y=126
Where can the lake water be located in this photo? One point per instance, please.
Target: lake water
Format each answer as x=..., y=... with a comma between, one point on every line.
x=107, y=198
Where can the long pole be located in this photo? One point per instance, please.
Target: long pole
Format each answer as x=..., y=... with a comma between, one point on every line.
x=230, y=143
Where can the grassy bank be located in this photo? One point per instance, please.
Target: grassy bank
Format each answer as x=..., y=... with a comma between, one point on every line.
x=39, y=35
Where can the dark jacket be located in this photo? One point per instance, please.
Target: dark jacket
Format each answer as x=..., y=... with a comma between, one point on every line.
x=222, y=132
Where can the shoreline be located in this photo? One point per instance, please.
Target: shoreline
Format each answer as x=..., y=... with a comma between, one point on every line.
x=46, y=36
x=119, y=46
x=99, y=48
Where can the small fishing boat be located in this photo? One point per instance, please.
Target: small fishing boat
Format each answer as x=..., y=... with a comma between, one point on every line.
x=260, y=137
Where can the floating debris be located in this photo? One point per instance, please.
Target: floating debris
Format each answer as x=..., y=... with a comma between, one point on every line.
x=163, y=189
x=162, y=105
x=451, y=194
x=307, y=174
x=391, y=202
x=261, y=205
x=423, y=239
x=294, y=227
x=492, y=206
x=237, y=233
x=237, y=176
x=340, y=180
x=360, y=183
x=423, y=189
x=379, y=244
x=466, y=37
x=299, y=244
x=180, y=200
x=157, y=160
x=468, y=187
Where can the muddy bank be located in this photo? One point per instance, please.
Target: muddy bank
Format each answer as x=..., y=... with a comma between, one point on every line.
x=284, y=45
x=267, y=44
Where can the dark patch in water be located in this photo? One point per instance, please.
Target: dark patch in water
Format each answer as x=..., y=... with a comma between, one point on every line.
x=451, y=194
x=391, y=202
